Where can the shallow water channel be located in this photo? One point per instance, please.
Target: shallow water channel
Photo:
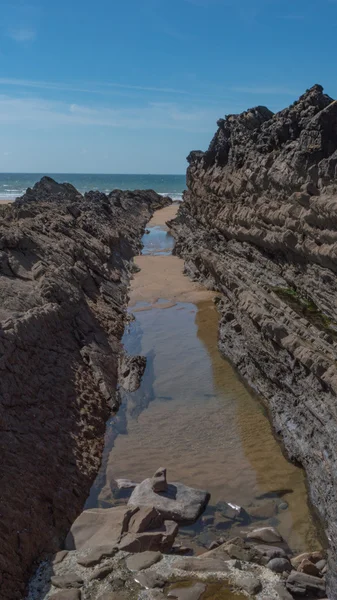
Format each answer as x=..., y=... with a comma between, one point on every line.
x=194, y=416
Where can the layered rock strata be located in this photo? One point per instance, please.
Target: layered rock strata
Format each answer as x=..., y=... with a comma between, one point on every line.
x=259, y=224
x=64, y=275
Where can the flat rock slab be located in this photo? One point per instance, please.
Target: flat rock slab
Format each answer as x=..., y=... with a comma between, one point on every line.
x=199, y=563
x=97, y=527
x=69, y=580
x=150, y=580
x=193, y=592
x=93, y=557
x=67, y=595
x=265, y=534
x=180, y=503
x=143, y=560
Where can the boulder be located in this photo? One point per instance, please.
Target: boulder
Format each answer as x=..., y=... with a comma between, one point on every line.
x=300, y=583
x=98, y=527
x=159, y=481
x=279, y=565
x=179, y=503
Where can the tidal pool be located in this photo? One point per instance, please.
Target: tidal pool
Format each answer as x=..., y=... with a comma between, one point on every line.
x=193, y=415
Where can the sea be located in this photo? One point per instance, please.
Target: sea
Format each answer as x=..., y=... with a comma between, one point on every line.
x=13, y=185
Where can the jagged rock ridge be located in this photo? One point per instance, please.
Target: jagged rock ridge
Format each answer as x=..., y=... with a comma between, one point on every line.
x=259, y=224
x=64, y=275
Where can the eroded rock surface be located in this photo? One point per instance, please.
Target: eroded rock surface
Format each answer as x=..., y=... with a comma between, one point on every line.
x=259, y=224
x=64, y=274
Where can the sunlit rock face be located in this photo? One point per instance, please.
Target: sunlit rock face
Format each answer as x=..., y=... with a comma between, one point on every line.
x=259, y=224
x=64, y=275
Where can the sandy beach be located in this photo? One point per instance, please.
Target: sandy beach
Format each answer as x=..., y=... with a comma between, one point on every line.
x=5, y=201
x=162, y=277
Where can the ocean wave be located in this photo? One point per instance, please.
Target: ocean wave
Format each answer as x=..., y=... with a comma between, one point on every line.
x=173, y=195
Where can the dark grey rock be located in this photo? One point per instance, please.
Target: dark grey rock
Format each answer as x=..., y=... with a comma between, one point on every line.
x=279, y=565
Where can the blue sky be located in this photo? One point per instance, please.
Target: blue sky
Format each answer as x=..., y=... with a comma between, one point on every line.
x=131, y=86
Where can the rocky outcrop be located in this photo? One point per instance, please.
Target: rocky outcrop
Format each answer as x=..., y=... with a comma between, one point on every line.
x=64, y=275
x=259, y=224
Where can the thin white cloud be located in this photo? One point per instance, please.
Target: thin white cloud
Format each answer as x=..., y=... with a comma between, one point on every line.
x=22, y=34
x=264, y=90
x=90, y=87
x=39, y=113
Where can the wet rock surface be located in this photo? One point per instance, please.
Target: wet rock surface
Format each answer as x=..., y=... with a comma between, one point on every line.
x=64, y=274
x=259, y=225
x=139, y=559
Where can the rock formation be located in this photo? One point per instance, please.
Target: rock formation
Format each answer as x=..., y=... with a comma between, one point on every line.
x=259, y=224
x=64, y=274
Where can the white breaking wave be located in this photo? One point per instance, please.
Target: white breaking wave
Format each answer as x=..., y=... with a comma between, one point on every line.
x=173, y=195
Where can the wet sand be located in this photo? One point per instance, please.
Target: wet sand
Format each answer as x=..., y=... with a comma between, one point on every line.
x=163, y=276
x=164, y=214
x=5, y=201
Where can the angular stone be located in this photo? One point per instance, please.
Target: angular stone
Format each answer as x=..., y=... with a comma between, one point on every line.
x=67, y=595
x=321, y=564
x=282, y=592
x=232, y=511
x=279, y=565
x=159, y=481
x=97, y=527
x=194, y=592
x=145, y=519
x=125, y=484
x=248, y=583
x=150, y=580
x=270, y=551
x=143, y=560
x=59, y=557
x=265, y=534
x=308, y=567
x=69, y=580
x=158, y=539
x=102, y=573
x=297, y=581
x=180, y=503
x=96, y=555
